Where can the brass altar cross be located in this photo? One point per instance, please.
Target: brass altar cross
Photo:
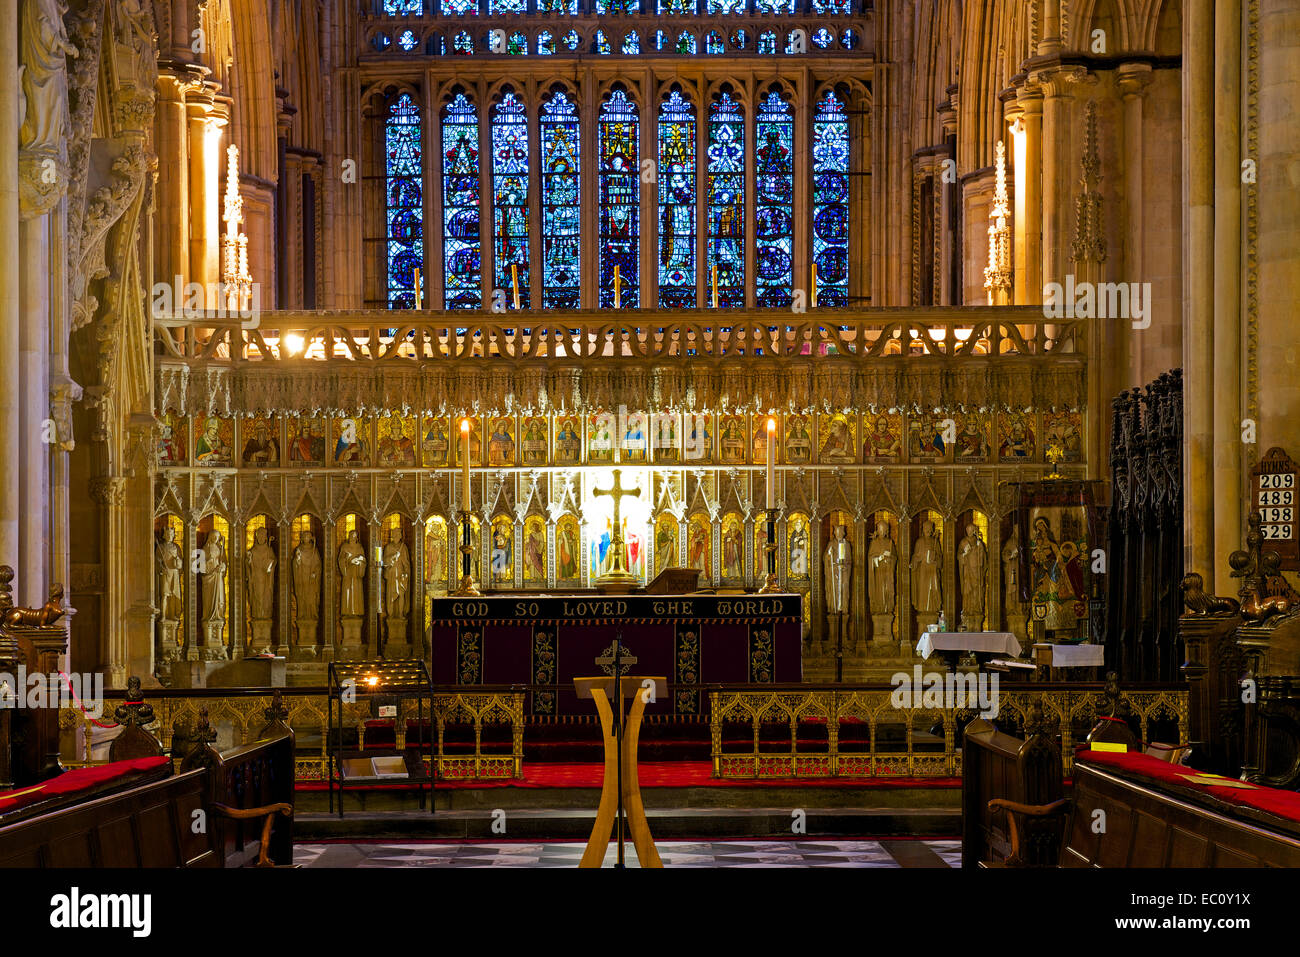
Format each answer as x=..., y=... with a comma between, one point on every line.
x=618, y=575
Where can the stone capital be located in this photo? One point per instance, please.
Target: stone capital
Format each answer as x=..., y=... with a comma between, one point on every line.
x=1133, y=78
x=1058, y=81
x=42, y=181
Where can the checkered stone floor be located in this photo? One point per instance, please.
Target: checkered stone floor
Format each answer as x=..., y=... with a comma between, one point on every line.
x=674, y=854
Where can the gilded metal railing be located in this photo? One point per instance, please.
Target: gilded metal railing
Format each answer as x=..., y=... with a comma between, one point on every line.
x=238, y=718
x=376, y=335
x=902, y=741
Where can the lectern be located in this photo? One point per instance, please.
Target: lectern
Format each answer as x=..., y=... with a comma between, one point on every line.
x=621, y=789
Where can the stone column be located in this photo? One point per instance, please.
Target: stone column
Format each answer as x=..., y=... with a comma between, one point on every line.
x=1028, y=217
x=1198, y=290
x=329, y=587
x=172, y=259
x=10, y=273
x=205, y=192
x=1133, y=79
x=1229, y=404
x=1056, y=170
x=38, y=270
x=1278, y=253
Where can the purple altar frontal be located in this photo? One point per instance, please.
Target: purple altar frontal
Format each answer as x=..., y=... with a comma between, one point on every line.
x=548, y=640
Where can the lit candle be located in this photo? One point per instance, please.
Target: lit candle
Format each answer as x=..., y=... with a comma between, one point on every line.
x=618, y=298
x=464, y=458
x=715, y=285
x=514, y=279
x=417, y=287
x=814, y=285
x=771, y=458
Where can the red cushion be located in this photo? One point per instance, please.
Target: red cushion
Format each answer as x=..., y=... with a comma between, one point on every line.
x=79, y=779
x=1283, y=804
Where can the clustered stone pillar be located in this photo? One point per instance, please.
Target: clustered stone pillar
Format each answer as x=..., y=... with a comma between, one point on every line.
x=10, y=322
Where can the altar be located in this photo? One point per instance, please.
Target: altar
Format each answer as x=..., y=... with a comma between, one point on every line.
x=548, y=640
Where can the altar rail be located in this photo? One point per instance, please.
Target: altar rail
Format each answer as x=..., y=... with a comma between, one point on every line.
x=237, y=716
x=376, y=335
x=801, y=709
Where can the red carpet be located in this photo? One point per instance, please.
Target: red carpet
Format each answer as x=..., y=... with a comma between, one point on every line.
x=672, y=774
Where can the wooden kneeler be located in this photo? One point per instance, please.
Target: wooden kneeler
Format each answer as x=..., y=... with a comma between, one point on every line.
x=638, y=828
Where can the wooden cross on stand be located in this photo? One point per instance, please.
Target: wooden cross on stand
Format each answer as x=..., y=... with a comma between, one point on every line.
x=611, y=656
x=618, y=574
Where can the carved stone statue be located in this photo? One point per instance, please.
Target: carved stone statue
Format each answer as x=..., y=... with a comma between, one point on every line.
x=352, y=595
x=306, y=587
x=837, y=565
x=43, y=48
x=261, y=561
x=214, y=595
x=169, y=563
x=927, y=594
x=397, y=585
x=973, y=562
x=882, y=570
x=1011, y=603
x=837, y=574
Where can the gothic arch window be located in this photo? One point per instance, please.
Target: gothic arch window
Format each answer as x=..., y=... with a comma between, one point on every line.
x=566, y=7
x=618, y=209
x=716, y=7
x=774, y=201
x=561, y=212
x=676, y=178
x=726, y=202
x=677, y=6
x=402, y=8
x=498, y=8
x=774, y=6
x=613, y=7
x=404, y=191
x=830, y=224
x=510, y=198
x=454, y=8
x=462, y=252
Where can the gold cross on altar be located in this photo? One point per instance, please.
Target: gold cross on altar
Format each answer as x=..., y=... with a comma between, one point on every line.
x=618, y=574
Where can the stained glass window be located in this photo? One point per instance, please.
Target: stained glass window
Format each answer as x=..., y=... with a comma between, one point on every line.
x=631, y=44
x=499, y=7
x=840, y=7
x=686, y=43
x=823, y=38
x=510, y=197
x=569, y=7
x=774, y=6
x=561, y=215
x=713, y=42
x=676, y=178
x=398, y=8
x=451, y=8
x=767, y=42
x=517, y=45
x=460, y=206
x=676, y=6
x=831, y=200
x=617, y=6
x=463, y=43
x=725, y=6
x=601, y=42
x=571, y=40
x=619, y=198
x=405, y=194
x=407, y=40
x=545, y=43
x=726, y=198
x=774, y=205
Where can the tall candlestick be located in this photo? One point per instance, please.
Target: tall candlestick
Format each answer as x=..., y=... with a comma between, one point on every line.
x=464, y=457
x=418, y=297
x=514, y=279
x=771, y=459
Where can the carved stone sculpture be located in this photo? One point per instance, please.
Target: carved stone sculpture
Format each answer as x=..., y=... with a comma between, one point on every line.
x=837, y=571
x=170, y=563
x=261, y=560
x=882, y=571
x=397, y=586
x=43, y=48
x=214, y=596
x=973, y=561
x=352, y=595
x=927, y=593
x=306, y=587
x=1011, y=603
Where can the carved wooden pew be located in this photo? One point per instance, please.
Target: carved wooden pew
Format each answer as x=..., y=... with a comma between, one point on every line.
x=1000, y=770
x=244, y=798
